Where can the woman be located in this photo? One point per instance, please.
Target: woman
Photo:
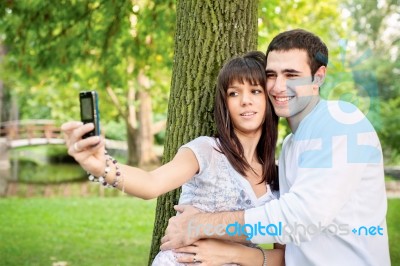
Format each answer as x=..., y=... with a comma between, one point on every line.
x=234, y=170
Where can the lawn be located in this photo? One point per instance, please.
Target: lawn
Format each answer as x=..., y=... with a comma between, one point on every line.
x=79, y=231
x=96, y=231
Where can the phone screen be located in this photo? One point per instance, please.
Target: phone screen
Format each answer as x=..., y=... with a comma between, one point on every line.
x=87, y=109
x=90, y=111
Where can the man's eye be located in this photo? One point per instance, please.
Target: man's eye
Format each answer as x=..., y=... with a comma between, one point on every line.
x=270, y=76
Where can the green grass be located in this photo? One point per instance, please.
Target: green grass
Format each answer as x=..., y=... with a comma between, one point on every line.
x=393, y=218
x=91, y=231
x=96, y=231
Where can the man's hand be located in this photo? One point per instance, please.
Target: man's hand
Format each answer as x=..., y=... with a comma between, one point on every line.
x=177, y=233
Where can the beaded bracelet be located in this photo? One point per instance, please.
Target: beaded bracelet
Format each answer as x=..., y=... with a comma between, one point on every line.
x=102, y=179
x=264, y=255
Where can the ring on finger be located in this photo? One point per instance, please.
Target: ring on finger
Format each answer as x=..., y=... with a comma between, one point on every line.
x=194, y=258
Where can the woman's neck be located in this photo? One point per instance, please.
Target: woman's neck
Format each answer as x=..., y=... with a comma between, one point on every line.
x=249, y=144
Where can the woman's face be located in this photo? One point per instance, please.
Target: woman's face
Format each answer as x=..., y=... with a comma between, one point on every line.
x=246, y=105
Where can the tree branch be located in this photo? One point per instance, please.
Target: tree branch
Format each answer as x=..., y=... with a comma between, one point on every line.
x=116, y=102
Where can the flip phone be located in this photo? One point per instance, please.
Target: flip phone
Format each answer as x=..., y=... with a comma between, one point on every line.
x=90, y=111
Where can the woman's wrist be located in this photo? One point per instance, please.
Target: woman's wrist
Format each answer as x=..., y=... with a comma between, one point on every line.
x=247, y=256
x=111, y=175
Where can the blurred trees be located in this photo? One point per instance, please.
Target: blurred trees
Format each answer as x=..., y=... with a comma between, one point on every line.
x=324, y=18
x=374, y=53
x=363, y=38
x=123, y=49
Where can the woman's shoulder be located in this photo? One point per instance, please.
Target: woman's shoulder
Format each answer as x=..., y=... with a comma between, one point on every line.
x=203, y=141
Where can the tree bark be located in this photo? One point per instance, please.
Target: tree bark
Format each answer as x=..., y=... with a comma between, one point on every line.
x=146, y=150
x=207, y=34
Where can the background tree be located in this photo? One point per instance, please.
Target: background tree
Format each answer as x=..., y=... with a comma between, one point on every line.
x=373, y=49
x=207, y=33
x=323, y=18
x=119, y=48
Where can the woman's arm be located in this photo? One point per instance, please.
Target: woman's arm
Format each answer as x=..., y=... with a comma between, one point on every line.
x=219, y=252
x=89, y=153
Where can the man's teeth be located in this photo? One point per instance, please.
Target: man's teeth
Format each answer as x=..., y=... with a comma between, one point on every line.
x=283, y=99
x=248, y=114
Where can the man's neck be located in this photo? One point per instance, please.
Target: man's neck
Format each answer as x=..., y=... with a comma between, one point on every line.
x=295, y=120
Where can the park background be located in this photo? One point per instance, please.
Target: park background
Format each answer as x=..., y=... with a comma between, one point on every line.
x=129, y=52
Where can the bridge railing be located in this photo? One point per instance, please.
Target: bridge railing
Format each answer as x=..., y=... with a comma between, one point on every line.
x=40, y=132
x=29, y=129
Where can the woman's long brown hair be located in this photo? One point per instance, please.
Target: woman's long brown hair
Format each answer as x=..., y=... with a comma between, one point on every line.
x=251, y=68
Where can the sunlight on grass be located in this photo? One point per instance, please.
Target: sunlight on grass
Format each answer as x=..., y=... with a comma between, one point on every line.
x=93, y=231
x=96, y=231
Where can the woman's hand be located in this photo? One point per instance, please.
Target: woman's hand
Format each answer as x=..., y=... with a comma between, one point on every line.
x=89, y=152
x=210, y=252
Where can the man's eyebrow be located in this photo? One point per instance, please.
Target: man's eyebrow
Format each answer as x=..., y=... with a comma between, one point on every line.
x=287, y=70
x=290, y=70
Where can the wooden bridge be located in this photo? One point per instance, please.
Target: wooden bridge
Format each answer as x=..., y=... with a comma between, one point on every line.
x=30, y=132
x=14, y=134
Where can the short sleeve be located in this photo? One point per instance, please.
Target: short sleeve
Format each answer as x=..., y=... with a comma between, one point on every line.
x=203, y=148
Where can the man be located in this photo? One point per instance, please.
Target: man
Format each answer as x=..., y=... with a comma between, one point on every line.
x=332, y=204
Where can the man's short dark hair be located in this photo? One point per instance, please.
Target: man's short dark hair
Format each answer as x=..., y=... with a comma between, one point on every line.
x=316, y=49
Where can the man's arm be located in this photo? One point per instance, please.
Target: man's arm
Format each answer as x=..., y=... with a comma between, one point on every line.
x=192, y=225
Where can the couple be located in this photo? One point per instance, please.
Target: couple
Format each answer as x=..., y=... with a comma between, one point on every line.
x=331, y=204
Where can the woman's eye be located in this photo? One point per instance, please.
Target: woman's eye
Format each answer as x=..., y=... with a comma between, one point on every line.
x=257, y=91
x=232, y=94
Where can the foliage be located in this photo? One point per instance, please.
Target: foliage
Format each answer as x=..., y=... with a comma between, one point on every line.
x=114, y=130
x=55, y=50
x=364, y=66
x=375, y=51
x=320, y=17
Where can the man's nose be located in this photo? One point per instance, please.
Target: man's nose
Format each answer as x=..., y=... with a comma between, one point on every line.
x=279, y=85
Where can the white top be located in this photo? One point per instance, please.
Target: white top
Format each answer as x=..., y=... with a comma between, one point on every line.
x=332, y=191
x=216, y=187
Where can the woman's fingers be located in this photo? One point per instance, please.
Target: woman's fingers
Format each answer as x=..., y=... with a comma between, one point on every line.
x=68, y=126
x=187, y=258
x=187, y=249
x=187, y=254
x=88, y=145
x=79, y=131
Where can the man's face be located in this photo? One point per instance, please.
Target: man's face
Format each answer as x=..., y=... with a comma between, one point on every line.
x=289, y=82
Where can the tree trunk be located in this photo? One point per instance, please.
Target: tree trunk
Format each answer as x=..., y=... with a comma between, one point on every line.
x=146, y=150
x=132, y=140
x=147, y=156
x=207, y=34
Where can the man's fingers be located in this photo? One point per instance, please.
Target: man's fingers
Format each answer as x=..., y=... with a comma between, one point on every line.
x=180, y=208
x=168, y=244
x=164, y=239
